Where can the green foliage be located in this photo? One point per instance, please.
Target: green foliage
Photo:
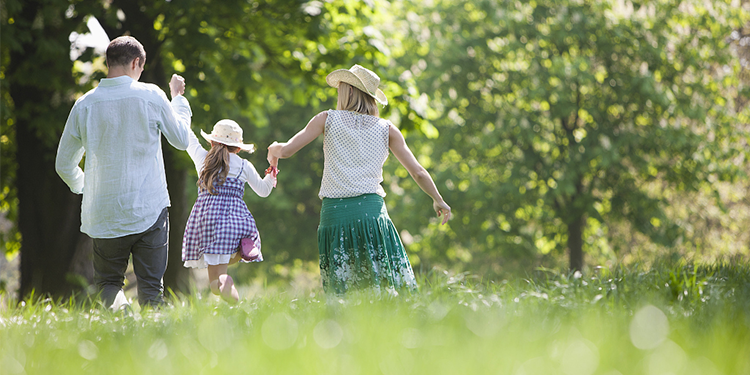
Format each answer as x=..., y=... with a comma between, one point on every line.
x=673, y=318
x=555, y=112
x=29, y=29
x=8, y=199
x=9, y=235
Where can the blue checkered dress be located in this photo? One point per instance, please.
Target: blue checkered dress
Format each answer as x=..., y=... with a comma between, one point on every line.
x=218, y=222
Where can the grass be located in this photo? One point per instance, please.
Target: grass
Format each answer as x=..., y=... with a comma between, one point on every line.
x=669, y=319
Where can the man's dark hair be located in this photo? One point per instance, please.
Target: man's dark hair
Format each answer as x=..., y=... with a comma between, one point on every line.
x=122, y=50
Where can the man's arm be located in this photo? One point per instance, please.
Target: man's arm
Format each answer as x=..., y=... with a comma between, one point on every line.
x=69, y=154
x=176, y=122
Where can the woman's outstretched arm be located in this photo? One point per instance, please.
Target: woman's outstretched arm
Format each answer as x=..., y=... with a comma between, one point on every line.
x=398, y=146
x=314, y=128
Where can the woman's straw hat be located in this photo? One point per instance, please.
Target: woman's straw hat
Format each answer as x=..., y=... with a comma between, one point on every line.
x=361, y=78
x=229, y=133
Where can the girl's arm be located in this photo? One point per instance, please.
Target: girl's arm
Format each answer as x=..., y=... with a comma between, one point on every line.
x=314, y=128
x=196, y=151
x=261, y=186
x=398, y=146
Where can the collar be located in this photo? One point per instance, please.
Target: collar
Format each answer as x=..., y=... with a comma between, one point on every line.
x=116, y=81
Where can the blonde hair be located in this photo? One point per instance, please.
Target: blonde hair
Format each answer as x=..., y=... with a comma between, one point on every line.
x=215, y=166
x=354, y=99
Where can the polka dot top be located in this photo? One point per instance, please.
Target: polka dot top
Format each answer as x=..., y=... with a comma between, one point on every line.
x=355, y=147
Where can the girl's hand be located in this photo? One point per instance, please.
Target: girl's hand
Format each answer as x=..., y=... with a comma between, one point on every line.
x=442, y=208
x=235, y=258
x=273, y=171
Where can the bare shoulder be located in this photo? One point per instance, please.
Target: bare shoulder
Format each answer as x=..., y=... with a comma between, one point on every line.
x=394, y=132
x=318, y=122
x=322, y=116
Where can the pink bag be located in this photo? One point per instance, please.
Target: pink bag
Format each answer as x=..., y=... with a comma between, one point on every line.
x=250, y=252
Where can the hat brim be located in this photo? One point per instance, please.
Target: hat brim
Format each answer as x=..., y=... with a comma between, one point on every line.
x=242, y=146
x=343, y=75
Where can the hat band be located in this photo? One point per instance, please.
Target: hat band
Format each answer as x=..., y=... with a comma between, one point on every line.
x=228, y=137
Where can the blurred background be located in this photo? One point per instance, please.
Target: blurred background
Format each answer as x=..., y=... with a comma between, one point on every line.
x=565, y=134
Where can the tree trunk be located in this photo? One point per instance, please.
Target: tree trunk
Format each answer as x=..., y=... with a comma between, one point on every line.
x=177, y=276
x=575, y=243
x=55, y=255
x=52, y=246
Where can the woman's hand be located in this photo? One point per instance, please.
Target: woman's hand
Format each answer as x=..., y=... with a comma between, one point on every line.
x=273, y=160
x=442, y=208
x=274, y=153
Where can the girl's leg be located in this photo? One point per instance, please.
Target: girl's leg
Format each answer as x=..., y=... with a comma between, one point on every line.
x=235, y=258
x=221, y=283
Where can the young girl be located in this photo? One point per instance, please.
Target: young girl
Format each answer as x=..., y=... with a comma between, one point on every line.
x=220, y=224
x=358, y=244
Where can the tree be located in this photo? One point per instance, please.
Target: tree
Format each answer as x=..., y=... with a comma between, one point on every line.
x=37, y=95
x=558, y=117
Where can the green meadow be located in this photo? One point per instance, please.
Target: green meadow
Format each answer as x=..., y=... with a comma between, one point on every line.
x=664, y=319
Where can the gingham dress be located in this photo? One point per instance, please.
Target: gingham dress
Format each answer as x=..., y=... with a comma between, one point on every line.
x=219, y=222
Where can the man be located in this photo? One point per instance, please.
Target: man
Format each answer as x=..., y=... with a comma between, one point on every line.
x=118, y=125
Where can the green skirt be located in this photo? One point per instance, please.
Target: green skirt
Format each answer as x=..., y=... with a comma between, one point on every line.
x=360, y=247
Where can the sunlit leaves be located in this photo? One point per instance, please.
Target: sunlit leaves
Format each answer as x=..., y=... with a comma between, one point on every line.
x=591, y=99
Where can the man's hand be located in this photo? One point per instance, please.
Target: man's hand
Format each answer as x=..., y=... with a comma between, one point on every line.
x=177, y=85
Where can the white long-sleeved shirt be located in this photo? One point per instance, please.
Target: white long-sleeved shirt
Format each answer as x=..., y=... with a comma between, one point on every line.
x=118, y=125
x=238, y=167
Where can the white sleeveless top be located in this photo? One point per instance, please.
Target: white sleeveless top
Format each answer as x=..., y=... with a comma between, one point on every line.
x=355, y=147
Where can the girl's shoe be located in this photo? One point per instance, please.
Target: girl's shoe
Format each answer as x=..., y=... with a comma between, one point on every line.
x=250, y=252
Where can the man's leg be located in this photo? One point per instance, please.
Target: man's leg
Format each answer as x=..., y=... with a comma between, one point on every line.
x=110, y=262
x=150, y=261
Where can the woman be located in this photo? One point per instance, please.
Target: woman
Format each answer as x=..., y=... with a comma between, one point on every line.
x=358, y=244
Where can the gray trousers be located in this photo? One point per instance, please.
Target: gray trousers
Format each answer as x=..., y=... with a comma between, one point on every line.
x=149, y=250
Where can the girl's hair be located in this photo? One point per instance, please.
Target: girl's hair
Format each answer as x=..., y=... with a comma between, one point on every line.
x=354, y=99
x=215, y=166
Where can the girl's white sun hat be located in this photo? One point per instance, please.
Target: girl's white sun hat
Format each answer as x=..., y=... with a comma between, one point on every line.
x=229, y=133
x=361, y=78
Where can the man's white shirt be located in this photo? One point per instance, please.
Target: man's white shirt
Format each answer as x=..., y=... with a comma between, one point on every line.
x=118, y=125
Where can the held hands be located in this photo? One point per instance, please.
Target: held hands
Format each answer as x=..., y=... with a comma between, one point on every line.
x=273, y=171
x=442, y=208
x=274, y=152
x=272, y=159
x=177, y=85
